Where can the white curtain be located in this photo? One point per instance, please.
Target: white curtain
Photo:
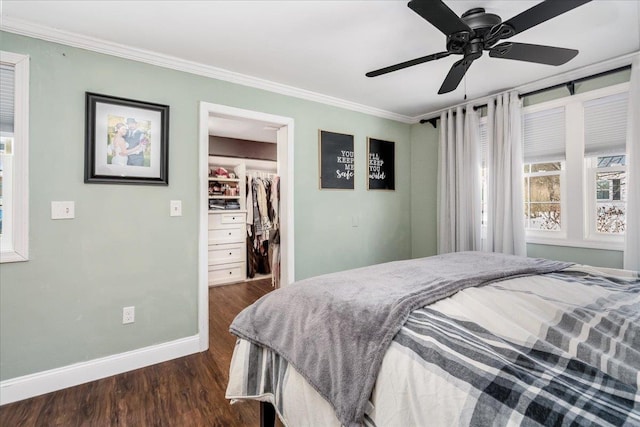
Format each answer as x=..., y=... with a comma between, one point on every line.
x=504, y=176
x=632, y=232
x=459, y=215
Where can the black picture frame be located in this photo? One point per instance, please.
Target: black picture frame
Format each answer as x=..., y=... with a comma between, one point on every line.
x=336, y=158
x=138, y=154
x=381, y=165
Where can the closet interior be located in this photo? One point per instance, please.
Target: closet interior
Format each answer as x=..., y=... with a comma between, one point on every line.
x=244, y=211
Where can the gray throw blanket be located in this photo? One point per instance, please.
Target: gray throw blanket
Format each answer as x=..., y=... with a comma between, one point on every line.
x=335, y=329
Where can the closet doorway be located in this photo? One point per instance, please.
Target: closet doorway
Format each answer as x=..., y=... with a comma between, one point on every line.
x=244, y=122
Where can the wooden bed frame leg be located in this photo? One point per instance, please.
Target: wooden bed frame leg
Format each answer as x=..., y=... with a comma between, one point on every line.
x=267, y=415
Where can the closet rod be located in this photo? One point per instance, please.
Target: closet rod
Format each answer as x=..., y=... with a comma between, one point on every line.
x=261, y=174
x=570, y=85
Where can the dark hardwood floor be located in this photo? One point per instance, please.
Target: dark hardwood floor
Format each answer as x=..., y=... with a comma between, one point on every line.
x=188, y=391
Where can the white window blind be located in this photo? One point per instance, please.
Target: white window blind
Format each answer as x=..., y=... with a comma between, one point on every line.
x=7, y=95
x=605, y=124
x=544, y=135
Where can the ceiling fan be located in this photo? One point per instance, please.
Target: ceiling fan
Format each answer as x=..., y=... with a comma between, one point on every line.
x=477, y=30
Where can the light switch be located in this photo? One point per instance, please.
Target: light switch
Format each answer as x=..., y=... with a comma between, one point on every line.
x=63, y=210
x=176, y=208
x=355, y=220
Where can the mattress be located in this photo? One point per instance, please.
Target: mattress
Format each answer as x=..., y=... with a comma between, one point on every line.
x=553, y=349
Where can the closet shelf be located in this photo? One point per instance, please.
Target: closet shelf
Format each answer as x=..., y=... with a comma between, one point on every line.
x=220, y=179
x=224, y=197
x=234, y=211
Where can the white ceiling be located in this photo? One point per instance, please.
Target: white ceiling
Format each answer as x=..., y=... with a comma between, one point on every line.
x=324, y=48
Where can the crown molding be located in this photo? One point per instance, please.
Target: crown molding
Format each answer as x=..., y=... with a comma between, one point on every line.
x=24, y=28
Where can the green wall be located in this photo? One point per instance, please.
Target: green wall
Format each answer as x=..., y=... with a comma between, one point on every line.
x=424, y=179
x=596, y=257
x=64, y=305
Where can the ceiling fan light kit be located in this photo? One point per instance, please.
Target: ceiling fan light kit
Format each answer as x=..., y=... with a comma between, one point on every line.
x=477, y=31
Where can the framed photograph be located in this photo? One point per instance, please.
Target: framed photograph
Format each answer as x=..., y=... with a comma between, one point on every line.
x=126, y=141
x=336, y=160
x=381, y=158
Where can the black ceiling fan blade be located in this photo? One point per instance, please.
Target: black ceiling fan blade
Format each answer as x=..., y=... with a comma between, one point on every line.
x=533, y=53
x=540, y=13
x=439, y=15
x=456, y=73
x=406, y=64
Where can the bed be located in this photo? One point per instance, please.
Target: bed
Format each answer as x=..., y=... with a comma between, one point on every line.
x=467, y=338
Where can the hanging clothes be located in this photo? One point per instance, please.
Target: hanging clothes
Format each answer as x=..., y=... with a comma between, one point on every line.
x=249, y=204
x=263, y=217
x=274, y=255
x=257, y=224
x=261, y=195
x=275, y=201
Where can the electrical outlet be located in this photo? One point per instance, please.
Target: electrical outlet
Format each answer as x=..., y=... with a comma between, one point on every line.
x=128, y=315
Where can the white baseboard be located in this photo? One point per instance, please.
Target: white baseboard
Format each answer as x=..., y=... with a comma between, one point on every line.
x=39, y=383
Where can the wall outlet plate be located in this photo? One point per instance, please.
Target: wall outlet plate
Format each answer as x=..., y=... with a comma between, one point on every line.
x=128, y=315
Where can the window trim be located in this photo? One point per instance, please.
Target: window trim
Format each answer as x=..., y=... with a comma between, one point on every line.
x=574, y=204
x=591, y=234
x=551, y=235
x=19, y=247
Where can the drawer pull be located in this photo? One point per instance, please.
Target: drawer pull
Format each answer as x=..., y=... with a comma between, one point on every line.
x=229, y=234
x=233, y=218
x=230, y=272
x=229, y=253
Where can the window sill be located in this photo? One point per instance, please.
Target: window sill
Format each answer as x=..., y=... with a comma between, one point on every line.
x=12, y=256
x=588, y=244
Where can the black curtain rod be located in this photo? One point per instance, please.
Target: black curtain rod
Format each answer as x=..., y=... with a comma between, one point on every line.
x=570, y=85
x=434, y=119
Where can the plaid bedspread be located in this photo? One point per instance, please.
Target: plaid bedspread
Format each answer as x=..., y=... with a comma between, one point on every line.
x=556, y=349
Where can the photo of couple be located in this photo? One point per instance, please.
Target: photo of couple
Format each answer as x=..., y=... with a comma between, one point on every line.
x=129, y=142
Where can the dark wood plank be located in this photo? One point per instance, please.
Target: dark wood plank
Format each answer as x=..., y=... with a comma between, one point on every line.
x=188, y=391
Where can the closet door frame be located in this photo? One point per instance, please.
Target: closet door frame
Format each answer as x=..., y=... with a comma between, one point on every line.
x=285, y=126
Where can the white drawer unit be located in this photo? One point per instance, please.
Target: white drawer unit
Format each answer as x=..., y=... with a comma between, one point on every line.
x=227, y=247
x=226, y=235
x=224, y=254
x=227, y=273
x=225, y=220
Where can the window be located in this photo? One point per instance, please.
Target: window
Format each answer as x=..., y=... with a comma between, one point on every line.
x=574, y=169
x=542, y=196
x=605, y=124
x=607, y=179
x=14, y=150
x=544, y=163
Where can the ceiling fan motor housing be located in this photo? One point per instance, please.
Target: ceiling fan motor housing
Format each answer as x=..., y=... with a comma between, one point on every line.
x=486, y=30
x=478, y=19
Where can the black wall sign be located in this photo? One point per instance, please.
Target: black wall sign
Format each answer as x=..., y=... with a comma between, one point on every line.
x=336, y=160
x=381, y=160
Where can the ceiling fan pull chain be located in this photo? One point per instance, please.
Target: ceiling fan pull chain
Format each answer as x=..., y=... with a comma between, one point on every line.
x=465, y=87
